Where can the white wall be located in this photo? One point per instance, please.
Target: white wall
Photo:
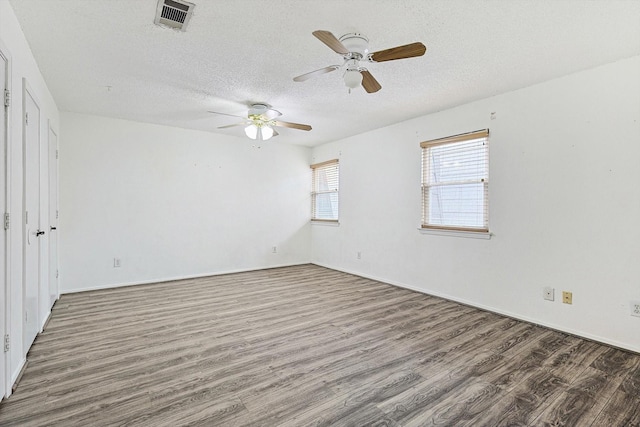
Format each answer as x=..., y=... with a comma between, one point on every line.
x=564, y=205
x=23, y=65
x=175, y=203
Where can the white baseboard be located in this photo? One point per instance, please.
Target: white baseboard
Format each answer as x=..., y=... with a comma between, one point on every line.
x=15, y=375
x=171, y=279
x=45, y=320
x=517, y=316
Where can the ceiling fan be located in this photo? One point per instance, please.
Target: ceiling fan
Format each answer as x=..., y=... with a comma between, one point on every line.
x=260, y=122
x=354, y=47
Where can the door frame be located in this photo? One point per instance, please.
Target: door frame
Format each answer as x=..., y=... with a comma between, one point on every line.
x=5, y=292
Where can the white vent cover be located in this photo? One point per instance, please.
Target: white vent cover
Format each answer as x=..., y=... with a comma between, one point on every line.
x=173, y=14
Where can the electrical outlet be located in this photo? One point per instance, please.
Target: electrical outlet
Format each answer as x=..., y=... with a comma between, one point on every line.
x=117, y=263
x=547, y=293
x=274, y=249
x=359, y=255
x=635, y=308
x=567, y=297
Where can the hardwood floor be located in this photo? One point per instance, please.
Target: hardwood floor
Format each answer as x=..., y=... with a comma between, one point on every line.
x=305, y=345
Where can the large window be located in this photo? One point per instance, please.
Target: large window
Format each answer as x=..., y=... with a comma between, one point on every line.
x=455, y=182
x=324, y=196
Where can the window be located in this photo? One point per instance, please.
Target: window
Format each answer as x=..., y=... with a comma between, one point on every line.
x=455, y=182
x=324, y=196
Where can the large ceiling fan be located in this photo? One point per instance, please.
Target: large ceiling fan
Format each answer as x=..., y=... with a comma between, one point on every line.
x=354, y=48
x=260, y=122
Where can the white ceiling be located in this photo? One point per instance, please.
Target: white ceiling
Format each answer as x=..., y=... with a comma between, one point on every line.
x=242, y=51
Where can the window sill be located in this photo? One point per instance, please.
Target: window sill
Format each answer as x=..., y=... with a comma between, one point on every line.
x=329, y=223
x=457, y=233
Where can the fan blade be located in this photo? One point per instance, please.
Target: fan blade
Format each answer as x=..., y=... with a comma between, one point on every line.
x=399, y=52
x=369, y=83
x=324, y=70
x=230, y=126
x=272, y=114
x=292, y=125
x=330, y=40
x=225, y=114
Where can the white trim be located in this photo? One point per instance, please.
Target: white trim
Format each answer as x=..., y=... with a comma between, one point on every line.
x=457, y=233
x=171, y=279
x=549, y=325
x=16, y=373
x=46, y=318
x=326, y=223
x=6, y=307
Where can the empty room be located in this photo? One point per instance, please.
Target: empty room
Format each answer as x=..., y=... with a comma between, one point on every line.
x=336, y=213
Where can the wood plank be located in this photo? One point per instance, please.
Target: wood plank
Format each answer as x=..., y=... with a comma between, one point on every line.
x=623, y=410
x=582, y=402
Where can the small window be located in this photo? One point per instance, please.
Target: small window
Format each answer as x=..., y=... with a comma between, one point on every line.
x=455, y=182
x=324, y=196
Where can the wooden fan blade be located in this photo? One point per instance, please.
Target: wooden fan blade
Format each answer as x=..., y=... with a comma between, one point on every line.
x=225, y=114
x=292, y=125
x=324, y=70
x=233, y=125
x=330, y=40
x=369, y=83
x=399, y=52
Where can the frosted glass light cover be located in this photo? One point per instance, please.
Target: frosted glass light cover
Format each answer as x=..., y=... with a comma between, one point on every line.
x=352, y=78
x=251, y=131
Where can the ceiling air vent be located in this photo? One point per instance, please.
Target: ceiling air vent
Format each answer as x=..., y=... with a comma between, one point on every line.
x=174, y=14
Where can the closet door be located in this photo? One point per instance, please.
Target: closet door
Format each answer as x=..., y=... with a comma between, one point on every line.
x=31, y=218
x=53, y=217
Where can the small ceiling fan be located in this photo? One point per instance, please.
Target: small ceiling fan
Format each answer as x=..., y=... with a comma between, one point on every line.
x=354, y=47
x=260, y=122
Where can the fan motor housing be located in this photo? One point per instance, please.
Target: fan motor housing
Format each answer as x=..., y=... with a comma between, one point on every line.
x=356, y=43
x=258, y=109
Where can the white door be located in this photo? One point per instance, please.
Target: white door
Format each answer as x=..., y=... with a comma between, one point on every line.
x=4, y=284
x=31, y=218
x=53, y=217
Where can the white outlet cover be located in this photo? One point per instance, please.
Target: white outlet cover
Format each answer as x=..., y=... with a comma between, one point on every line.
x=548, y=293
x=635, y=308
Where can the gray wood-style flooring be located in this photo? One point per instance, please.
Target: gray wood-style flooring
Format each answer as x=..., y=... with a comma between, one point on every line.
x=306, y=345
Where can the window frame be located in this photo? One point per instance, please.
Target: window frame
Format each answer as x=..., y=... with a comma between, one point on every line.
x=426, y=184
x=315, y=170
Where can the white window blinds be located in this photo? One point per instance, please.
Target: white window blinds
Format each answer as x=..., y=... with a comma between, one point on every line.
x=324, y=196
x=455, y=182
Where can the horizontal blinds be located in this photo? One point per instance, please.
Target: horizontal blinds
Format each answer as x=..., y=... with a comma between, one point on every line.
x=324, y=196
x=455, y=182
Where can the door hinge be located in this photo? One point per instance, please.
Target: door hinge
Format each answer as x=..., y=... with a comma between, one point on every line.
x=7, y=98
x=57, y=214
x=26, y=118
x=56, y=154
x=7, y=343
x=57, y=273
x=26, y=217
x=7, y=220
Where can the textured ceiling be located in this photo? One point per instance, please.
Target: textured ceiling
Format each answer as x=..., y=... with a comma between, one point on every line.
x=108, y=58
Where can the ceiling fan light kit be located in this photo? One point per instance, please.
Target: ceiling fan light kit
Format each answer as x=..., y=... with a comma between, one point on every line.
x=261, y=133
x=352, y=78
